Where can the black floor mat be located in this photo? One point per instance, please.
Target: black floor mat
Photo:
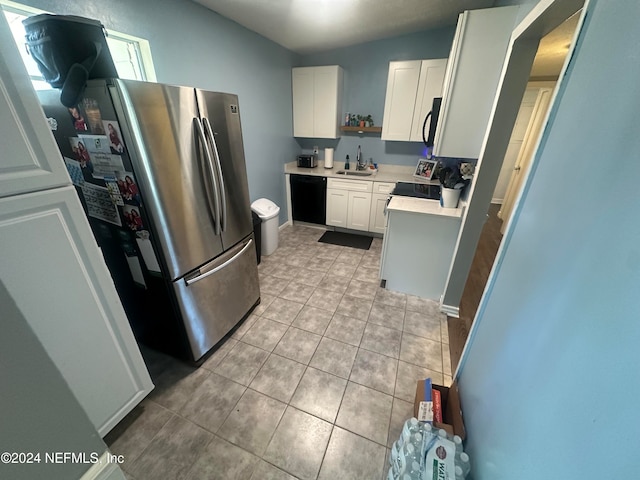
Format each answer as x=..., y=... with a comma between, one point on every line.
x=347, y=240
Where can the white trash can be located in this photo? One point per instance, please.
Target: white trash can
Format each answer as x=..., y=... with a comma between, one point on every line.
x=268, y=213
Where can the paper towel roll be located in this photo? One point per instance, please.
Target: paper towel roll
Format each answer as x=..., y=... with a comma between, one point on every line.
x=328, y=158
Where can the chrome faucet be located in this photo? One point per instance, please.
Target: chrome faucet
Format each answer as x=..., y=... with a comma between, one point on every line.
x=360, y=165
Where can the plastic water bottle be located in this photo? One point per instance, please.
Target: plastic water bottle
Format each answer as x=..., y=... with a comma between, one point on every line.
x=427, y=431
x=394, y=459
x=410, y=427
x=415, y=471
x=443, y=433
x=417, y=440
x=458, y=441
x=410, y=454
x=394, y=453
x=398, y=461
x=410, y=476
x=464, y=463
x=458, y=473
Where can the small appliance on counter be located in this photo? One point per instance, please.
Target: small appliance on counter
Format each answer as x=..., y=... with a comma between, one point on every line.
x=307, y=161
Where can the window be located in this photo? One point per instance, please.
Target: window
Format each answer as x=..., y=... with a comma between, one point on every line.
x=131, y=55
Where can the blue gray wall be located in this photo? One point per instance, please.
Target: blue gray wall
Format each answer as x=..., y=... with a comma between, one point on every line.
x=366, y=67
x=192, y=45
x=550, y=381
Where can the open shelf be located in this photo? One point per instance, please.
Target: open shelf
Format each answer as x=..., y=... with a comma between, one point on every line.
x=376, y=130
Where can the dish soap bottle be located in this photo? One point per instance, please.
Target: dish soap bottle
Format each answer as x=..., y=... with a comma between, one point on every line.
x=346, y=163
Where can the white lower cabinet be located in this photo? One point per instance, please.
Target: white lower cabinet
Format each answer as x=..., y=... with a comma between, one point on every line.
x=55, y=272
x=417, y=251
x=348, y=203
x=358, y=211
x=337, y=207
x=377, y=218
x=357, y=204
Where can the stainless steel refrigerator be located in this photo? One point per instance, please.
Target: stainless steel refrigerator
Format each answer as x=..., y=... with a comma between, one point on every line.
x=161, y=173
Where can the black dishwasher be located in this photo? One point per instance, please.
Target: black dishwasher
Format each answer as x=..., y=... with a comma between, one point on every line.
x=309, y=198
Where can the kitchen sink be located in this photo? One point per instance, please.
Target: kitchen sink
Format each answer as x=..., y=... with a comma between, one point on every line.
x=355, y=174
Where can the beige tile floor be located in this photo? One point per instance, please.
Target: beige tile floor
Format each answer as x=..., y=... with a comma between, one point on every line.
x=316, y=383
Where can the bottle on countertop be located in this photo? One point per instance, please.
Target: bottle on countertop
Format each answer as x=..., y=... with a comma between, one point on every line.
x=347, y=120
x=346, y=163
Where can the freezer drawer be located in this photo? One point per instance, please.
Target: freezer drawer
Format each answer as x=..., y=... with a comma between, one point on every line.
x=214, y=298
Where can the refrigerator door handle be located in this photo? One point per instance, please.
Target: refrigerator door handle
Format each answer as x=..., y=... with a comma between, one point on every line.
x=203, y=273
x=210, y=169
x=216, y=156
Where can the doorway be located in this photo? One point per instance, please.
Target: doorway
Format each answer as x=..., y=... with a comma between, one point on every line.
x=544, y=71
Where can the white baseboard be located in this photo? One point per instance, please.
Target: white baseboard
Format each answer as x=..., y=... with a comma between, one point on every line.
x=450, y=310
x=104, y=469
x=285, y=224
x=497, y=201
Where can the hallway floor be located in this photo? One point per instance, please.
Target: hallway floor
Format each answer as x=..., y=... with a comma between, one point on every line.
x=316, y=383
x=481, y=266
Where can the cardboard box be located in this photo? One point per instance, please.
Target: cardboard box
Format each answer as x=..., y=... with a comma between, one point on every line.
x=451, y=410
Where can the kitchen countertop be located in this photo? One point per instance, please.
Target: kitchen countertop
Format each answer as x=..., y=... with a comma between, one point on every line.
x=423, y=206
x=390, y=174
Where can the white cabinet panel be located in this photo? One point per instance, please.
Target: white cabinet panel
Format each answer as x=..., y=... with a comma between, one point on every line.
x=377, y=218
x=429, y=87
x=383, y=187
x=349, y=209
x=402, y=87
x=358, y=211
x=303, y=102
x=411, y=87
x=30, y=159
x=317, y=101
x=351, y=185
x=471, y=80
x=54, y=270
x=337, y=207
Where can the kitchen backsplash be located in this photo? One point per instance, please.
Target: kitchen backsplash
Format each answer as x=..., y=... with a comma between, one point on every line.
x=394, y=153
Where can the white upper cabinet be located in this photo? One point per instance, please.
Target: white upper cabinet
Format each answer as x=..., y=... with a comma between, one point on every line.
x=317, y=101
x=411, y=88
x=28, y=161
x=471, y=80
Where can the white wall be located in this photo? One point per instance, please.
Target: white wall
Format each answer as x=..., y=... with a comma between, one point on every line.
x=550, y=381
x=39, y=412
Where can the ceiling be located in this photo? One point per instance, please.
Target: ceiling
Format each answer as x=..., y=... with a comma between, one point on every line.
x=308, y=26
x=553, y=49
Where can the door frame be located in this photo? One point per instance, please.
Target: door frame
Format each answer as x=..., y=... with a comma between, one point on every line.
x=542, y=19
